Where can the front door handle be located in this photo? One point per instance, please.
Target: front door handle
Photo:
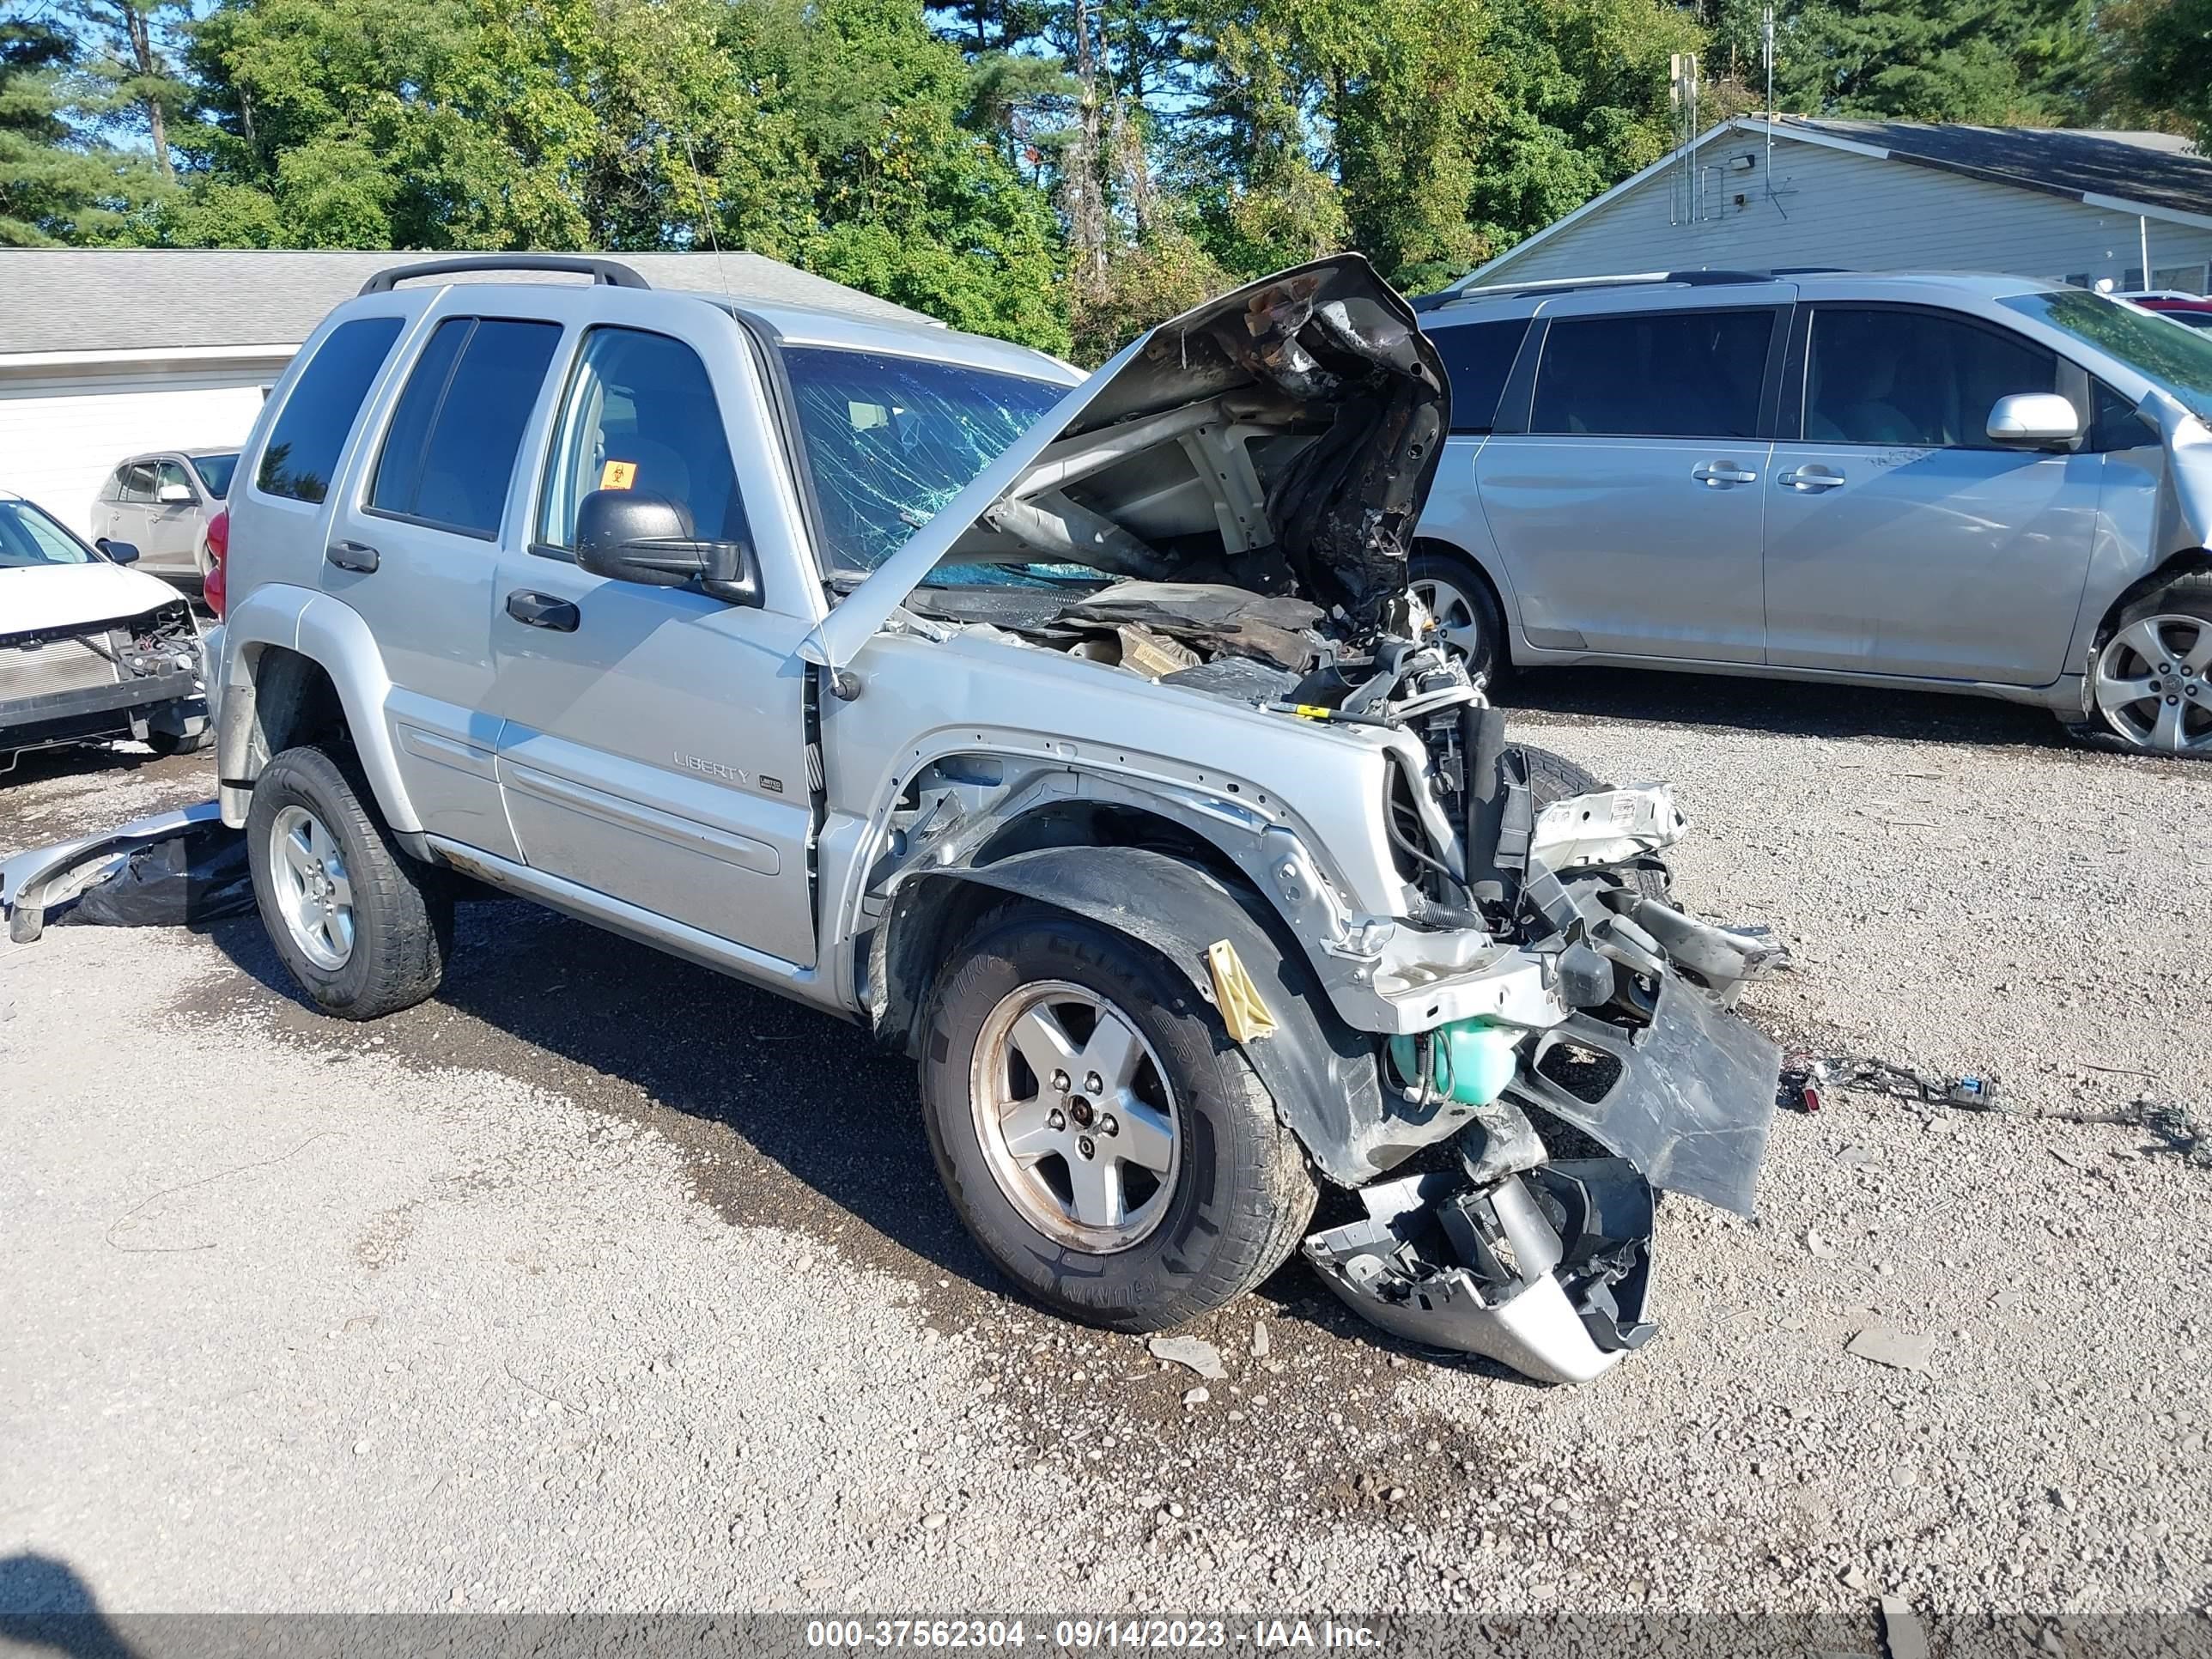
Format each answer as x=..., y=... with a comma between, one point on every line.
x=535, y=610
x=1812, y=479
x=1723, y=472
x=352, y=555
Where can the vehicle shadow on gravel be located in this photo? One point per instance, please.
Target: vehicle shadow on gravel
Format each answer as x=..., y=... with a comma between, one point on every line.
x=1783, y=707
x=88, y=764
x=784, y=1116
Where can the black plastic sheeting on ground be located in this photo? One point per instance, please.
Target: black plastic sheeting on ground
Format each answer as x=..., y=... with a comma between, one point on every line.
x=199, y=877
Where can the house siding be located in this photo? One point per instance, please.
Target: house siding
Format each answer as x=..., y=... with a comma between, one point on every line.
x=1831, y=207
x=61, y=435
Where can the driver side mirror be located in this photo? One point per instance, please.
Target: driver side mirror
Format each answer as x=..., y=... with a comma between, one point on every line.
x=120, y=552
x=635, y=536
x=2033, y=420
x=172, y=494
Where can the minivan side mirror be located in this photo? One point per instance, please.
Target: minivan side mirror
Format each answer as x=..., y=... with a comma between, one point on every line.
x=172, y=494
x=635, y=536
x=2031, y=419
x=120, y=552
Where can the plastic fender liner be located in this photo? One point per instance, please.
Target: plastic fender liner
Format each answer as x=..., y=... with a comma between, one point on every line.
x=1322, y=1073
x=1692, y=1103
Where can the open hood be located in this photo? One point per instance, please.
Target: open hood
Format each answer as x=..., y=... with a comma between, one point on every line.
x=1281, y=438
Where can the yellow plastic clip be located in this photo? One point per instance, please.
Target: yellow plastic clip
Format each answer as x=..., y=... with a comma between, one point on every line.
x=1236, y=995
x=1309, y=711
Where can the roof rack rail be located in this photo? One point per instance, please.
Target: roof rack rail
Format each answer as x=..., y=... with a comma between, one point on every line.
x=608, y=273
x=1717, y=278
x=1426, y=302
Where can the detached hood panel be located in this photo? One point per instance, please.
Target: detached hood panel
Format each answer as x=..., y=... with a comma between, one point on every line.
x=1281, y=438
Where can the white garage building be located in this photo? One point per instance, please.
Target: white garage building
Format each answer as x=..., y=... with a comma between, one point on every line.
x=107, y=352
x=2065, y=204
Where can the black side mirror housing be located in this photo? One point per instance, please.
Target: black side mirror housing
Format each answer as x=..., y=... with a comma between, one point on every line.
x=120, y=552
x=635, y=536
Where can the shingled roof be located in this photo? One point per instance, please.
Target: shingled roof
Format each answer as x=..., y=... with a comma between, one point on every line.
x=119, y=299
x=2139, y=169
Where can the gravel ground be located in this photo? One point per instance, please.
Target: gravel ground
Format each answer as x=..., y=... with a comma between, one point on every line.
x=600, y=1282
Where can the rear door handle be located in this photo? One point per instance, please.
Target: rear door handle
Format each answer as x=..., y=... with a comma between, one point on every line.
x=1812, y=479
x=535, y=610
x=1723, y=472
x=351, y=556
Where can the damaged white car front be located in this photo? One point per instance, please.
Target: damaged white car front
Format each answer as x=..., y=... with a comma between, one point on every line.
x=1448, y=956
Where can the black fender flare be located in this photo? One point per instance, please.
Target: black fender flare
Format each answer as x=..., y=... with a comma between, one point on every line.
x=1325, y=1077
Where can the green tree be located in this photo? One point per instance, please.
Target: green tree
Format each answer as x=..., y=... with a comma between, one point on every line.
x=54, y=185
x=1581, y=102
x=2159, y=64
x=130, y=81
x=1988, y=62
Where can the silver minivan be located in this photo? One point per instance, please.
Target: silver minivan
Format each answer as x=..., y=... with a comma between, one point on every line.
x=1968, y=484
x=161, y=503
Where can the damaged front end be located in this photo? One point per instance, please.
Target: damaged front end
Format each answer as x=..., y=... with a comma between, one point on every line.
x=1480, y=943
x=127, y=676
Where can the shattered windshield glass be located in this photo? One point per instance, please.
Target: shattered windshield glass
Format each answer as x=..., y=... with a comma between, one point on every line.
x=890, y=440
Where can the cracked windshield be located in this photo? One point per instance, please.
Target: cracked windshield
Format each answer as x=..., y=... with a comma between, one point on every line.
x=890, y=440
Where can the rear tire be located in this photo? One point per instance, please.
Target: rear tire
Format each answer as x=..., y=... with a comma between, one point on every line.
x=1229, y=1194
x=1458, y=596
x=166, y=744
x=364, y=929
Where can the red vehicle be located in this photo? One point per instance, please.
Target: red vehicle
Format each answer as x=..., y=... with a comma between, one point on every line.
x=2194, y=309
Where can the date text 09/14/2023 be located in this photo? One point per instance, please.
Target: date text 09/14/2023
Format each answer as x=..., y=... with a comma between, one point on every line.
x=1084, y=1635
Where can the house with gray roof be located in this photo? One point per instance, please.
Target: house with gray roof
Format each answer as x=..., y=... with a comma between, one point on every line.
x=110, y=352
x=2133, y=208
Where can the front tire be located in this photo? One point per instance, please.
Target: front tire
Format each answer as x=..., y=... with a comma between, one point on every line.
x=2150, y=682
x=1099, y=1135
x=364, y=929
x=1553, y=777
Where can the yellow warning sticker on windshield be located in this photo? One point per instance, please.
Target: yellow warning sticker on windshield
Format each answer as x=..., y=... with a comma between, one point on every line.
x=619, y=475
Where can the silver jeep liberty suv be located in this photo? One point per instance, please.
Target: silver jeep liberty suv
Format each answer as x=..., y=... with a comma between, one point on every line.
x=1081, y=739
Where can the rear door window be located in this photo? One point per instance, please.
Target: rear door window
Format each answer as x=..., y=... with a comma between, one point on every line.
x=138, y=483
x=1916, y=378
x=449, y=452
x=1478, y=358
x=1663, y=374
x=303, y=451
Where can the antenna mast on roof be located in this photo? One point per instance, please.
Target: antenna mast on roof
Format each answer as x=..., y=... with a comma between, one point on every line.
x=1683, y=67
x=1767, y=44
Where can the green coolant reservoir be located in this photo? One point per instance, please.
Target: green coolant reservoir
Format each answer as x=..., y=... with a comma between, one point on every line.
x=1471, y=1060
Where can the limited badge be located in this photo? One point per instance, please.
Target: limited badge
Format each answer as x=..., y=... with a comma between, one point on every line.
x=619, y=475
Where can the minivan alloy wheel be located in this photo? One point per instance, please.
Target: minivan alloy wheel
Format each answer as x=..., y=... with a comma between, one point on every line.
x=1075, y=1116
x=1457, y=618
x=2154, y=684
x=313, y=891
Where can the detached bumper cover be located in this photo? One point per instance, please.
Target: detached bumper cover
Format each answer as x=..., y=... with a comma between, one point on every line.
x=1549, y=1271
x=43, y=876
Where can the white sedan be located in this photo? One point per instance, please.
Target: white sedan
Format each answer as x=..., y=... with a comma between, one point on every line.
x=90, y=651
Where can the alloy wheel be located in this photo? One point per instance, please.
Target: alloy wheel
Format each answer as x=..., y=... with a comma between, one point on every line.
x=1075, y=1116
x=307, y=867
x=1457, y=618
x=2154, y=684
